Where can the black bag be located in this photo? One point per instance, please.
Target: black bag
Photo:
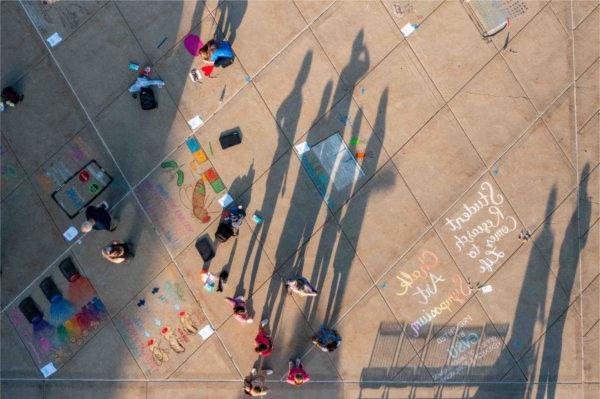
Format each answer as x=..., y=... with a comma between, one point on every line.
x=205, y=249
x=230, y=138
x=224, y=232
x=9, y=94
x=147, y=99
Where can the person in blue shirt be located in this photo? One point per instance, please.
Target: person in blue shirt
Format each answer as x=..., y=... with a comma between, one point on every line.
x=218, y=53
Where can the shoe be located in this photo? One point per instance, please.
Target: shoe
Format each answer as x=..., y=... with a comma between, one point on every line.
x=264, y=322
x=249, y=321
x=253, y=371
x=104, y=204
x=268, y=371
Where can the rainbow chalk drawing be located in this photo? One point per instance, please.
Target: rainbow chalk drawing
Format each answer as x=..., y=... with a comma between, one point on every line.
x=61, y=309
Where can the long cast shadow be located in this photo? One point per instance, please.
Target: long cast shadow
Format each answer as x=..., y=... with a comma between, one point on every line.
x=294, y=235
x=529, y=309
x=568, y=261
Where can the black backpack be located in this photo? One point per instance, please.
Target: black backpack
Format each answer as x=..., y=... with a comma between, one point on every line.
x=205, y=249
x=230, y=138
x=224, y=232
x=147, y=99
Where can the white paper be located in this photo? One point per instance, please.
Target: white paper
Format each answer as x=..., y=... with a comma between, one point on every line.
x=225, y=200
x=70, y=233
x=302, y=148
x=206, y=332
x=195, y=122
x=407, y=30
x=486, y=289
x=54, y=39
x=48, y=370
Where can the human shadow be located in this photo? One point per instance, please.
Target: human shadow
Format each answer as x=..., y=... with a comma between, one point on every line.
x=568, y=261
x=231, y=14
x=298, y=230
x=532, y=309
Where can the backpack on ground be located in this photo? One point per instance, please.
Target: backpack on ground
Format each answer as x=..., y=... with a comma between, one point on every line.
x=230, y=138
x=205, y=249
x=224, y=232
x=147, y=99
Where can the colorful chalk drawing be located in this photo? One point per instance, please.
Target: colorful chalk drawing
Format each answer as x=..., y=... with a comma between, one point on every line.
x=479, y=229
x=332, y=167
x=177, y=197
x=157, y=333
x=423, y=283
x=54, y=345
x=74, y=156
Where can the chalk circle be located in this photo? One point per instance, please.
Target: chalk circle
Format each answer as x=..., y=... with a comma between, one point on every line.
x=84, y=175
x=94, y=188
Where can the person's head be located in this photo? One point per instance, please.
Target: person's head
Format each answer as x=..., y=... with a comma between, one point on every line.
x=298, y=379
x=87, y=226
x=115, y=251
x=261, y=348
x=206, y=51
x=239, y=310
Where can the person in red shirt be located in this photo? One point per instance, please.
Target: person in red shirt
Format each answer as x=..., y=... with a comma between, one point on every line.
x=297, y=375
x=263, y=343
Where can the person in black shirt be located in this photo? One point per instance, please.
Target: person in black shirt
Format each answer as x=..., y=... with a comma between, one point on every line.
x=98, y=218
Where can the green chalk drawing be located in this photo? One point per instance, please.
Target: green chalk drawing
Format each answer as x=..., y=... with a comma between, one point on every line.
x=354, y=141
x=217, y=186
x=179, y=178
x=169, y=164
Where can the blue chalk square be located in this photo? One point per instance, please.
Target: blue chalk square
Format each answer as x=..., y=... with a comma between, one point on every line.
x=192, y=144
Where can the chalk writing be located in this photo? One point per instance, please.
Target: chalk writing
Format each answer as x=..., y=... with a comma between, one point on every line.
x=480, y=242
x=454, y=329
x=458, y=296
x=402, y=9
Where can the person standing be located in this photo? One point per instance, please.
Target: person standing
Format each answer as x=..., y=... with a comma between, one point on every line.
x=239, y=309
x=98, y=218
x=117, y=252
x=297, y=375
x=263, y=344
x=254, y=384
